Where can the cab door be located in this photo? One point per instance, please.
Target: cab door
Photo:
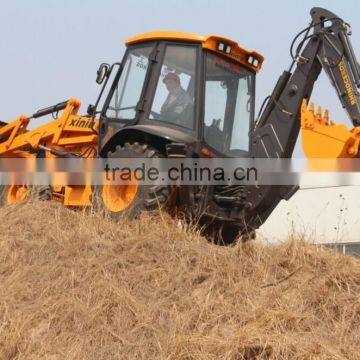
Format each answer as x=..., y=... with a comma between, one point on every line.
x=228, y=106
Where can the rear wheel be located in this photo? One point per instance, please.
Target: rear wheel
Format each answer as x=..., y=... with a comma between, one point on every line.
x=118, y=198
x=226, y=233
x=130, y=199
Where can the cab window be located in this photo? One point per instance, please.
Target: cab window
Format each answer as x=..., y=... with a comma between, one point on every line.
x=129, y=87
x=174, y=96
x=229, y=104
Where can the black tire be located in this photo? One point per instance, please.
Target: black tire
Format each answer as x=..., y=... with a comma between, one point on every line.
x=148, y=197
x=220, y=233
x=3, y=195
x=226, y=233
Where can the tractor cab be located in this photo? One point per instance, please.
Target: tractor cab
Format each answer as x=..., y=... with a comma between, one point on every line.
x=181, y=87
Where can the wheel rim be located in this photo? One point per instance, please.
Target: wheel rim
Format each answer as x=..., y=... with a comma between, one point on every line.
x=117, y=198
x=17, y=194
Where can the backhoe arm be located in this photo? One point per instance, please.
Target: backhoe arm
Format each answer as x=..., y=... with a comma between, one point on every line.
x=325, y=45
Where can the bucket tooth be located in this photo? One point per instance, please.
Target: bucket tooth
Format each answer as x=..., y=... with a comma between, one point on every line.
x=326, y=117
x=319, y=114
x=312, y=108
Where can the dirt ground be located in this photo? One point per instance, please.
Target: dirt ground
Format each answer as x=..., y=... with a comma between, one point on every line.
x=74, y=285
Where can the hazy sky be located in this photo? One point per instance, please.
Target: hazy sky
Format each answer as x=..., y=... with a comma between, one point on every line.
x=50, y=50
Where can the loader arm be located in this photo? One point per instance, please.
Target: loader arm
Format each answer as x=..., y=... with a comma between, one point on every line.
x=69, y=133
x=325, y=45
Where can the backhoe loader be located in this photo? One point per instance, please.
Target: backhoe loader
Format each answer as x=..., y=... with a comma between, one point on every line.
x=215, y=117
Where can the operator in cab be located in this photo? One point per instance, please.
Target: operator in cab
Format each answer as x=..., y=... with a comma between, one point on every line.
x=178, y=102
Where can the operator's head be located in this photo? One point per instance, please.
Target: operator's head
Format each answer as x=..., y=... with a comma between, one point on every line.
x=171, y=81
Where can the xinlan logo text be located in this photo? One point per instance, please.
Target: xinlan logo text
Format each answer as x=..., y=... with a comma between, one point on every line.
x=345, y=76
x=80, y=123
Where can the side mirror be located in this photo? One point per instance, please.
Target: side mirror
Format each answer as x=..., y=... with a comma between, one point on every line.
x=91, y=110
x=102, y=73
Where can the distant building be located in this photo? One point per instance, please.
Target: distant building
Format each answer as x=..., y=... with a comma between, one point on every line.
x=323, y=215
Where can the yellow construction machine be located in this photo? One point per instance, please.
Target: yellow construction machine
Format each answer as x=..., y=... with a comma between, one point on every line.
x=180, y=95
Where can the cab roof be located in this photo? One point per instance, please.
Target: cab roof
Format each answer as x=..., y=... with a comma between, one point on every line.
x=231, y=49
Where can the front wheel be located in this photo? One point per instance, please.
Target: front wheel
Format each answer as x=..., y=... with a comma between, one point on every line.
x=17, y=194
x=13, y=194
x=130, y=199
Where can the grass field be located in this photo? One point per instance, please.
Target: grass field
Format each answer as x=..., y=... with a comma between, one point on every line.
x=74, y=285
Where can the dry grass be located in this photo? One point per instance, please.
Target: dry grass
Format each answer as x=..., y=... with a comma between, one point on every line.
x=76, y=286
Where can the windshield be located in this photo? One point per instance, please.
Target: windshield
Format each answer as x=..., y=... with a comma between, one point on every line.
x=174, y=97
x=229, y=106
x=129, y=87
